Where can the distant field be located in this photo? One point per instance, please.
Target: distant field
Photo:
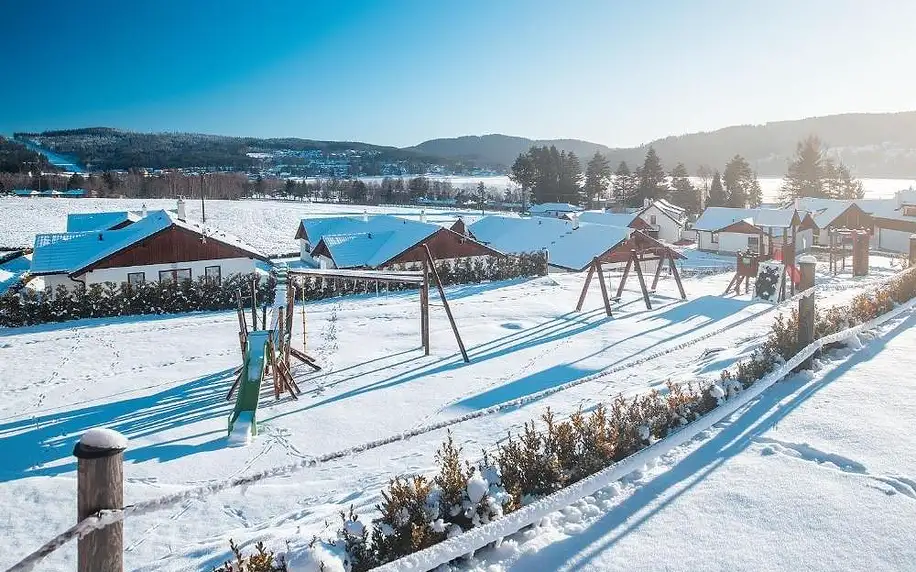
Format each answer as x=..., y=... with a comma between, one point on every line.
x=267, y=225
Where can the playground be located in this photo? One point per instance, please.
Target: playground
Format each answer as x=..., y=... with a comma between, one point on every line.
x=164, y=381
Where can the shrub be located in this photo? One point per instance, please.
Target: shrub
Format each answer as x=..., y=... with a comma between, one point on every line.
x=262, y=560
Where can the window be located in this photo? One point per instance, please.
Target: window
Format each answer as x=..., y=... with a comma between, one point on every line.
x=212, y=274
x=175, y=275
x=136, y=278
x=816, y=238
x=753, y=243
x=715, y=238
x=652, y=220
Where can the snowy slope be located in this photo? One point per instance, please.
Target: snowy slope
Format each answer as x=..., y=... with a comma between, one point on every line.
x=815, y=475
x=161, y=381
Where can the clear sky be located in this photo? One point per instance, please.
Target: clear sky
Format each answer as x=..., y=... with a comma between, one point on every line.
x=397, y=73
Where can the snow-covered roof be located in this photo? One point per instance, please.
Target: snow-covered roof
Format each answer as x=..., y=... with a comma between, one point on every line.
x=67, y=253
x=558, y=207
x=884, y=208
x=86, y=222
x=823, y=211
x=366, y=242
x=715, y=218
x=672, y=210
x=567, y=246
x=608, y=219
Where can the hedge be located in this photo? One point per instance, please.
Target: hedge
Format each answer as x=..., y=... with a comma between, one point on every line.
x=29, y=307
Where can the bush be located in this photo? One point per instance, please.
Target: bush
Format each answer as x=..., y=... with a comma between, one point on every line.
x=262, y=560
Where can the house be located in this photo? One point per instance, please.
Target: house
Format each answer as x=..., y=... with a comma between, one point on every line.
x=553, y=210
x=893, y=220
x=160, y=246
x=666, y=220
x=570, y=245
x=380, y=241
x=727, y=230
x=66, y=194
x=828, y=214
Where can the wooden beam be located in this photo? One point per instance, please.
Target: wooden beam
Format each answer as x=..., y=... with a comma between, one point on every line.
x=448, y=310
x=424, y=309
x=658, y=273
x=403, y=277
x=672, y=265
x=235, y=384
x=642, y=280
x=623, y=279
x=305, y=358
x=588, y=280
x=604, y=296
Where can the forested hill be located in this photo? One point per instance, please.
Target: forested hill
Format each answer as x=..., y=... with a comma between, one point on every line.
x=871, y=144
x=104, y=148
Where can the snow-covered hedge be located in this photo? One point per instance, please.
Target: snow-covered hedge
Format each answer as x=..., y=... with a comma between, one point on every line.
x=28, y=307
x=420, y=511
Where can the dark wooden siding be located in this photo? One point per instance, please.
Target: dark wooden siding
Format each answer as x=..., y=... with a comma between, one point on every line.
x=853, y=217
x=642, y=244
x=173, y=244
x=444, y=244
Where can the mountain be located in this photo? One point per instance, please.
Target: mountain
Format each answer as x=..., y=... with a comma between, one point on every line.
x=871, y=144
x=105, y=148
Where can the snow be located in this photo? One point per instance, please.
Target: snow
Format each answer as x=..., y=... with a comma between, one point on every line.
x=161, y=381
x=816, y=472
x=241, y=430
x=318, y=557
x=715, y=218
x=102, y=438
x=477, y=487
x=13, y=270
x=606, y=218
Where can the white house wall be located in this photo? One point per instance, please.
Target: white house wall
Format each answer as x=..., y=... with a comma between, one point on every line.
x=668, y=229
x=893, y=240
x=804, y=239
x=729, y=242
x=228, y=266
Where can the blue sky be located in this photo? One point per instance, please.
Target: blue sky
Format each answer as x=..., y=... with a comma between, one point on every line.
x=399, y=72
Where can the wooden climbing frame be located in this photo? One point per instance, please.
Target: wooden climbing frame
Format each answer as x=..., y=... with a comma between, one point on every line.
x=634, y=261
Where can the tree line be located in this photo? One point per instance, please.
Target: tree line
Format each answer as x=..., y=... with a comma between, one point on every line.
x=546, y=174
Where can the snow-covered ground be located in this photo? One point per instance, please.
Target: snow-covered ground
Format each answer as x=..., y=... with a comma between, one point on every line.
x=819, y=473
x=162, y=382
x=268, y=225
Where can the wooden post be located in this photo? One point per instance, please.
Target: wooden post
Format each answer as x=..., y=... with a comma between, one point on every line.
x=100, y=486
x=588, y=280
x=642, y=281
x=304, y=329
x=806, y=304
x=677, y=275
x=623, y=279
x=448, y=310
x=424, y=309
x=913, y=250
x=658, y=272
x=604, y=296
x=264, y=317
x=254, y=305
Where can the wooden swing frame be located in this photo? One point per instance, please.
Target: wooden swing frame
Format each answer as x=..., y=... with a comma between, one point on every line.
x=633, y=261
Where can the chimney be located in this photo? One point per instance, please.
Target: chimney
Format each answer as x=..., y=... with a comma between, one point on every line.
x=646, y=202
x=143, y=211
x=365, y=215
x=182, y=215
x=575, y=221
x=422, y=215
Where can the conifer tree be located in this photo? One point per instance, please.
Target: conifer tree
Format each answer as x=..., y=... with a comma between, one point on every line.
x=717, y=197
x=683, y=193
x=738, y=179
x=623, y=187
x=597, y=175
x=653, y=182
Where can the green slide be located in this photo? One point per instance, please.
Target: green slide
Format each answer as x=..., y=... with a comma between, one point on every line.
x=242, y=422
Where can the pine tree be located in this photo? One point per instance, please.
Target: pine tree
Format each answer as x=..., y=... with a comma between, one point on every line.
x=570, y=173
x=623, y=187
x=806, y=173
x=717, y=196
x=739, y=182
x=653, y=182
x=524, y=174
x=839, y=182
x=597, y=175
x=683, y=193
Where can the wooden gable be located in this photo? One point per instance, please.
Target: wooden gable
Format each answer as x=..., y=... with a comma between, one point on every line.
x=443, y=243
x=807, y=223
x=853, y=217
x=639, y=224
x=170, y=245
x=644, y=245
x=741, y=227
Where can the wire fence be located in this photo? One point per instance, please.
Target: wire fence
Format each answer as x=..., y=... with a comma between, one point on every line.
x=107, y=517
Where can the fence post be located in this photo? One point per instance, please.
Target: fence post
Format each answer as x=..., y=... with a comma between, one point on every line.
x=913, y=250
x=100, y=486
x=806, y=304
